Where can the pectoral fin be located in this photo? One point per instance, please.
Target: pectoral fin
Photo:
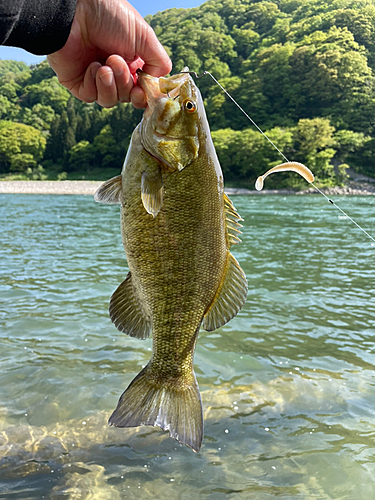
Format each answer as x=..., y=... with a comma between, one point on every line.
x=109, y=193
x=126, y=312
x=152, y=191
x=229, y=298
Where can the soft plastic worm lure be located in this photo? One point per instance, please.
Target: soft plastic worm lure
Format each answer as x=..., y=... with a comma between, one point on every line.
x=291, y=166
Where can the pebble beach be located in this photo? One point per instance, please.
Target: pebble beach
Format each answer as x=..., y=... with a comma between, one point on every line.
x=49, y=187
x=89, y=188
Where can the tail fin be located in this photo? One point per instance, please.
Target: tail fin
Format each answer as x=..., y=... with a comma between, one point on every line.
x=174, y=408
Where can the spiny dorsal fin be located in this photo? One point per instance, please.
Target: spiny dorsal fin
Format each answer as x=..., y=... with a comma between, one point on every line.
x=126, y=312
x=229, y=298
x=152, y=191
x=109, y=193
x=231, y=221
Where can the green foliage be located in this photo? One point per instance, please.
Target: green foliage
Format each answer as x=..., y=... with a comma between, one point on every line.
x=5, y=106
x=12, y=67
x=39, y=116
x=82, y=156
x=48, y=92
x=302, y=69
x=21, y=147
x=40, y=72
x=9, y=87
x=106, y=149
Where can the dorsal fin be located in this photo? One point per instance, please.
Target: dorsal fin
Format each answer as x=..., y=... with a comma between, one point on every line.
x=109, y=193
x=232, y=219
x=126, y=312
x=229, y=298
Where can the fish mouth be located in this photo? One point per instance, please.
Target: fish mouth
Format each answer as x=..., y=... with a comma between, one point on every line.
x=156, y=88
x=150, y=85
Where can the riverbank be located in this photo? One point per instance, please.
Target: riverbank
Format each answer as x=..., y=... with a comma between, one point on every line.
x=49, y=187
x=89, y=188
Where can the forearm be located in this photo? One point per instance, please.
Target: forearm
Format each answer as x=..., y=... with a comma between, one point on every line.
x=38, y=26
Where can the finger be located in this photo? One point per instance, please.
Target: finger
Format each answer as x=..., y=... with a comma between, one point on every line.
x=157, y=62
x=138, y=97
x=146, y=44
x=88, y=91
x=123, y=79
x=106, y=85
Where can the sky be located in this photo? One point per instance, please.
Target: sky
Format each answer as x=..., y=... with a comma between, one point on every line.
x=144, y=7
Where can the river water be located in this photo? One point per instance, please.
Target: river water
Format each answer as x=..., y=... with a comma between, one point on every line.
x=288, y=386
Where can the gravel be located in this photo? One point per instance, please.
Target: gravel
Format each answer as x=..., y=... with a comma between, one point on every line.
x=49, y=187
x=89, y=188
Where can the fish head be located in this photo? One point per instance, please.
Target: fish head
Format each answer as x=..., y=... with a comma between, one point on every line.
x=170, y=124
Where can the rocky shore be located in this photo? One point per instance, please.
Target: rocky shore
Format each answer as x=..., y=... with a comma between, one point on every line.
x=89, y=188
x=49, y=187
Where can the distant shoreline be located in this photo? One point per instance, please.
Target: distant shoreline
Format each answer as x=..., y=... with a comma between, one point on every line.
x=89, y=188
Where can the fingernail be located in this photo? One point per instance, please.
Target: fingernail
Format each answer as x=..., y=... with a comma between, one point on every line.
x=107, y=78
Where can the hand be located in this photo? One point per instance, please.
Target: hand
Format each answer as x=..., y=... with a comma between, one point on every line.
x=108, y=41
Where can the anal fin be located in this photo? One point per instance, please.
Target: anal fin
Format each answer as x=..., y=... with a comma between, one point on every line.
x=109, y=192
x=229, y=298
x=126, y=312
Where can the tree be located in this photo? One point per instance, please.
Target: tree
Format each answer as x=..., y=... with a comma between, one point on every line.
x=39, y=116
x=5, y=106
x=48, y=92
x=20, y=146
x=11, y=67
x=313, y=141
x=81, y=156
x=40, y=72
x=107, y=152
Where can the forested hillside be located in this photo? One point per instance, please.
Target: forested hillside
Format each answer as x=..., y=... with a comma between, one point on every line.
x=303, y=70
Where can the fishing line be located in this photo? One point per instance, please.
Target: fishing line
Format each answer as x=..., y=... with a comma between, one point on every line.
x=277, y=149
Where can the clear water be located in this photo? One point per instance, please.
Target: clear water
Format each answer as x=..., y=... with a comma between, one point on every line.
x=288, y=386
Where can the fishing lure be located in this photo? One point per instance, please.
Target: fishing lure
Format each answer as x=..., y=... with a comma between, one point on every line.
x=290, y=166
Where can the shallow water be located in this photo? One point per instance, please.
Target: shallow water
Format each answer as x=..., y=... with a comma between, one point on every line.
x=288, y=386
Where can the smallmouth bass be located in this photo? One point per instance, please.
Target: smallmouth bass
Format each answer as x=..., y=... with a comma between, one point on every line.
x=177, y=228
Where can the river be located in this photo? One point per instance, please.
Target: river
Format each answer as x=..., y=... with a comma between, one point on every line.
x=288, y=386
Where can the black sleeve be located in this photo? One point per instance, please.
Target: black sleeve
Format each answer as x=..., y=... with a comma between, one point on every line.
x=38, y=26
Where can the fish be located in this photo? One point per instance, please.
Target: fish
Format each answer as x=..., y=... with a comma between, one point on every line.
x=177, y=228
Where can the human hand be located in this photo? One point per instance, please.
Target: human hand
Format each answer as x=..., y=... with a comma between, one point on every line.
x=109, y=40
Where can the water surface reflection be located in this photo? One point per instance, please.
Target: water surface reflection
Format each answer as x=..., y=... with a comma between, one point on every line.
x=287, y=386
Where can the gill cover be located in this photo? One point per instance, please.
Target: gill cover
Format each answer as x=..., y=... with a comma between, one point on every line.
x=169, y=128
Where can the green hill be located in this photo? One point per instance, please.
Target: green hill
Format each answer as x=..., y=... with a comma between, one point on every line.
x=302, y=69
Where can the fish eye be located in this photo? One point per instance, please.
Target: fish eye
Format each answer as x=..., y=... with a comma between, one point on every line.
x=190, y=106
